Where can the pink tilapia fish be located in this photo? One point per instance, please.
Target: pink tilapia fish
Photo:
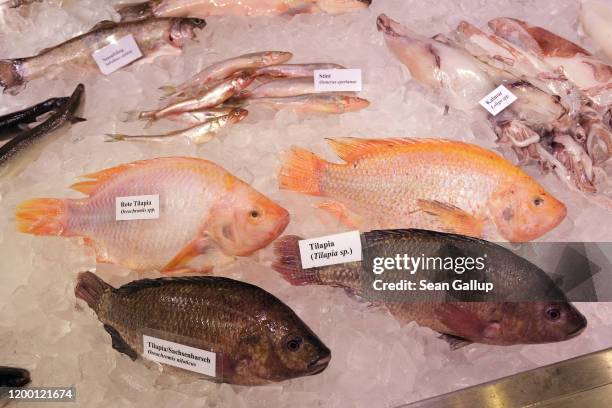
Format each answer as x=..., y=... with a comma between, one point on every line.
x=595, y=16
x=437, y=65
x=294, y=70
x=205, y=8
x=207, y=98
x=523, y=64
x=311, y=103
x=153, y=36
x=590, y=74
x=198, y=134
x=207, y=216
x=432, y=184
x=223, y=69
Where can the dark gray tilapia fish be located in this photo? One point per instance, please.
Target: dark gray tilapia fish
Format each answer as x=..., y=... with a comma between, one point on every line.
x=153, y=37
x=26, y=147
x=490, y=318
x=15, y=122
x=256, y=337
x=14, y=377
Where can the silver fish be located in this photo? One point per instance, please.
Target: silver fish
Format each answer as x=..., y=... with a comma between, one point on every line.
x=152, y=36
x=198, y=134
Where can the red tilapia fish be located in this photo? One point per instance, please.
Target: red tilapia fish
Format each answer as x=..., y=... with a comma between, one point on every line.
x=206, y=216
x=205, y=8
x=431, y=184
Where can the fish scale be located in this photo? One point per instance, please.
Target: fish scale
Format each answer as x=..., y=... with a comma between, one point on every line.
x=424, y=183
x=514, y=313
x=246, y=327
x=206, y=216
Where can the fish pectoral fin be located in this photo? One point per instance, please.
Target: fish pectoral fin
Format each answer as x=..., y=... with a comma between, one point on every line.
x=459, y=319
x=119, y=344
x=199, y=246
x=341, y=212
x=103, y=24
x=455, y=342
x=453, y=219
x=76, y=119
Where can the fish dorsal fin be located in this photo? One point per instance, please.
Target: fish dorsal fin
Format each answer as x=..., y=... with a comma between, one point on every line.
x=102, y=25
x=135, y=286
x=351, y=148
x=100, y=177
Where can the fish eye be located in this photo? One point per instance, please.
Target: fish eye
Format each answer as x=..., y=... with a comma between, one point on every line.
x=198, y=21
x=538, y=201
x=294, y=343
x=553, y=313
x=254, y=214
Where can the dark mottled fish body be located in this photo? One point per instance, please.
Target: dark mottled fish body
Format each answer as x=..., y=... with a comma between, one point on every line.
x=11, y=123
x=26, y=147
x=151, y=35
x=490, y=319
x=257, y=338
x=13, y=377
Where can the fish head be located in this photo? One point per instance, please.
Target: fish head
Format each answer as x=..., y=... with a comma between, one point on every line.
x=184, y=29
x=238, y=114
x=245, y=220
x=337, y=103
x=525, y=211
x=342, y=6
x=540, y=322
x=281, y=347
x=275, y=58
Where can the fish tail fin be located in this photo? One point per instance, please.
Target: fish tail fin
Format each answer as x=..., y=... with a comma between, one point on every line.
x=43, y=216
x=10, y=74
x=90, y=288
x=168, y=91
x=301, y=172
x=289, y=264
x=135, y=11
x=114, y=137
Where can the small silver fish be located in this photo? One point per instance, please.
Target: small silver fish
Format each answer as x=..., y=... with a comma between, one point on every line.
x=198, y=134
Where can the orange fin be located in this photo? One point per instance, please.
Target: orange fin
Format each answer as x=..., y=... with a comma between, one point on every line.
x=301, y=172
x=42, y=216
x=351, y=148
x=454, y=219
x=105, y=175
x=340, y=211
x=85, y=187
x=195, y=248
x=101, y=255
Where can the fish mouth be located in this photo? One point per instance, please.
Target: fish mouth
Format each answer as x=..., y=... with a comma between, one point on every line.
x=320, y=364
x=580, y=326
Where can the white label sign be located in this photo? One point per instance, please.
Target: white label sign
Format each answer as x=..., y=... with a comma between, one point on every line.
x=117, y=54
x=337, y=80
x=330, y=250
x=145, y=207
x=179, y=355
x=498, y=100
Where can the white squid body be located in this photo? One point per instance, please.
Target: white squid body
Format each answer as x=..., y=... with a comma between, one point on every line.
x=493, y=50
x=589, y=74
x=596, y=16
x=437, y=65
